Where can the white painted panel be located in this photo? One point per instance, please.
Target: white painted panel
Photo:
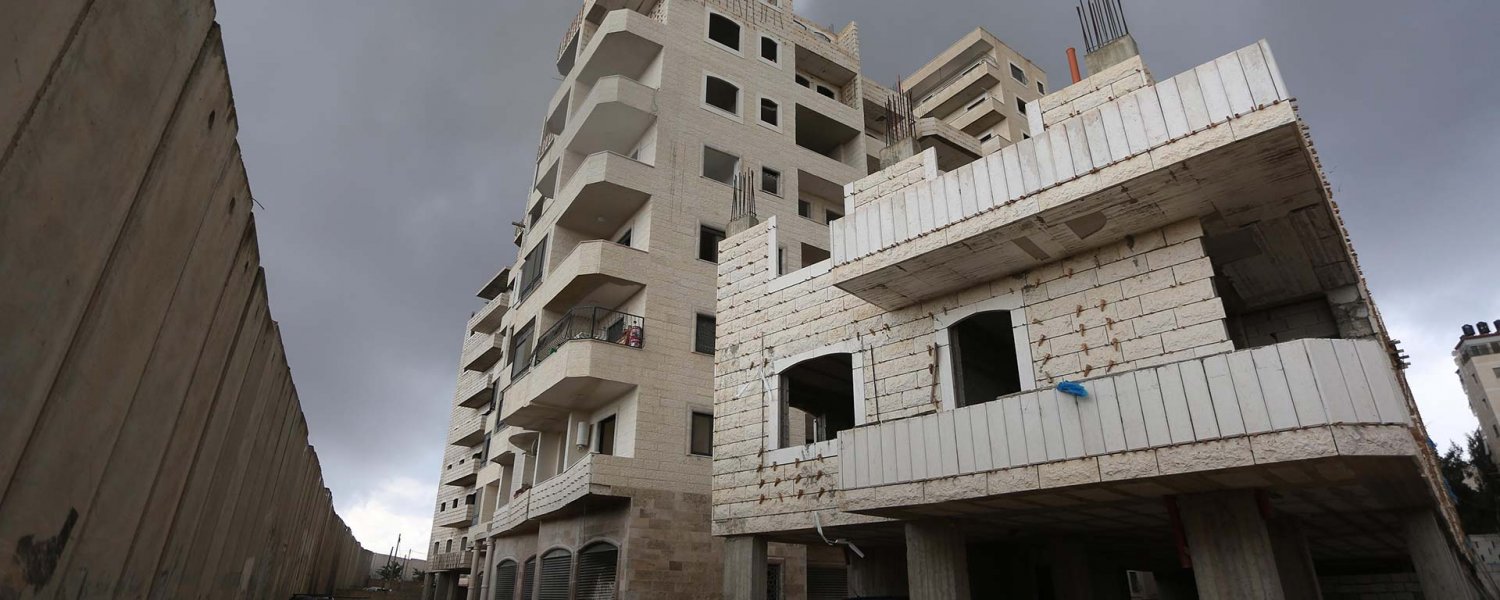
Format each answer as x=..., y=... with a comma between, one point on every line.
x=1212, y=86
x=1354, y=381
x=913, y=214
x=1135, y=125
x=1090, y=421
x=1281, y=89
x=918, y=431
x=1052, y=425
x=952, y=193
x=1191, y=93
x=994, y=414
x=855, y=461
x=1174, y=114
x=1152, y=119
x=1034, y=121
x=1174, y=400
x=979, y=429
x=873, y=456
x=925, y=211
x=888, y=454
x=984, y=195
x=1111, y=423
x=1258, y=75
x=898, y=217
x=1078, y=147
x=1389, y=399
x=940, y=215
x=968, y=199
x=1132, y=420
x=963, y=439
x=1044, y=168
x=1114, y=131
x=1093, y=128
x=1247, y=389
x=851, y=248
x=1070, y=415
x=948, y=442
x=869, y=235
x=934, y=448
x=887, y=222
x=846, y=475
x=995, y=164
x=1036, y=434
x=1200, y=402
x=1012, y=160
x=1273, y=388
x=1062, y=155
x=1154, y=409
x=903, y=448
x=1235, y=86
x=1302, y=384
x=836, y=242
x=1221, y=390
x=1331, y=387
x=1017, y=443
x=1031, y=178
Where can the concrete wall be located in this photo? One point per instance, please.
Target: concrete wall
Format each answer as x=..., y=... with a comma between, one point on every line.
x=151, y=438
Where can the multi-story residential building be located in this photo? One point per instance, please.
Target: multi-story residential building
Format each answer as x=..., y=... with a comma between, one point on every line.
x=1478, y=358
x=1066, y=370
x=579, y=459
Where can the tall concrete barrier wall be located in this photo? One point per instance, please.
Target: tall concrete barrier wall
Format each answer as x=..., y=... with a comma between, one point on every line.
x=152, y=444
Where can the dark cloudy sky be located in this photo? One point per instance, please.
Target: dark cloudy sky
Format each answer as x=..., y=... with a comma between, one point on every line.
x=391, y=143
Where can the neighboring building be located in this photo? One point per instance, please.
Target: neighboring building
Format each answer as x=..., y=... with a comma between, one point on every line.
x=1478, y=358
x=409, y=565
x=1171, y=252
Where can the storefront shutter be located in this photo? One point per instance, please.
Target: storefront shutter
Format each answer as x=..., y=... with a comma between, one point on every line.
x=557, y=565
x=505, y=580
x=827, y=583
x=528, y=578
x=596, y=572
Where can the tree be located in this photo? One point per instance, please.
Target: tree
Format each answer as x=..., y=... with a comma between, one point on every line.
x=392, y=571
x=1474, y=481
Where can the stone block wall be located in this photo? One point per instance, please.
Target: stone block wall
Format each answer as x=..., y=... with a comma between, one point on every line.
x=886, y=182
x=1104, y=86
x=1310, y=319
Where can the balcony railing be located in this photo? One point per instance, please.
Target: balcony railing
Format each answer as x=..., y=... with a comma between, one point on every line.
x=450, y=561
x=457, y=517
x=462, y=475
x=591, y=323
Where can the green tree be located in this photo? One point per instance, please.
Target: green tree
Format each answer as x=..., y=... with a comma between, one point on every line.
x=1474, y=480
x=392, y=571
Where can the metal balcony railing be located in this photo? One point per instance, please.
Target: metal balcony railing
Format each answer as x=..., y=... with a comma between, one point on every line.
x=591, y=323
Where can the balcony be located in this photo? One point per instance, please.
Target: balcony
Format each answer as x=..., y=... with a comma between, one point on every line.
x=475, y=389
x=604, y=194
x=496, y=294
x=950, y=96
x=1230, y=149
x=482, y=351
x=586, y=484
x=596, y=273
x=979, y=116
x=954, y=147
x=616, y=113
x=468, y=432
x=588, y=358
x=459, y=517
x=1313, y=399
x=451, y=561
x=463, y=475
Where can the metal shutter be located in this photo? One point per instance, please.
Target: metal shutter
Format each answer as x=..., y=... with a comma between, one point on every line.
x=528, y=579
x=505, y=580
x=827, y=583
x=596, y=572
x=773, y=581
x=557, y=565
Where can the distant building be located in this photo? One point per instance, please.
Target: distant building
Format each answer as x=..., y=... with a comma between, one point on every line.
x=1478, y=358
x=378, y=562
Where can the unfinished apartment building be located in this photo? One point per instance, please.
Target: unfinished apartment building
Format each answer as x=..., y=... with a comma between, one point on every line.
x=1478, y=358
x=578, y=464
x=1131, y=356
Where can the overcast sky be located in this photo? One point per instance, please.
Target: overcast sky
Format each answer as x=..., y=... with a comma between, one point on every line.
x=391, y=143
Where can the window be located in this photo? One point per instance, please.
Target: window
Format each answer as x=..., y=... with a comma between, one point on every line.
x=505, y=579
x=520, y=350
x=770, y=181
x=830, y=216
x=984, y=358
x=812, y=255
x=702, y=435
x=1021, y=105
x=721, y=94
x=802, y=81
x=819, y=392
x=597, y=565
x=1497, y=372
x=557, y=567
x=724, y=31
x=780, y=260
x=1041, y=88
x=986, y=137
x=975, y=104
x=770, y=112
x=531, y=268
x=437, y=547
x=770, y=50
x=704, y=335
x=827, y=91
x=536, y=213
x=720, y=166
x=804, y=209
x=450, y=545
x=605, y=441
x=1017, y=74
x=624, y=239
x=773, y=581
x=708, y=243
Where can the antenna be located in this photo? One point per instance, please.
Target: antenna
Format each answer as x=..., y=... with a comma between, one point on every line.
x=1102, y=22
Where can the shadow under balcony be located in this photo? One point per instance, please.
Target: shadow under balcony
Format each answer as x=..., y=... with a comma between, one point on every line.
x=475, y=389
x=604, y=194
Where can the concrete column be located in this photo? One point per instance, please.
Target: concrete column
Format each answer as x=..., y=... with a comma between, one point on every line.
x=880, y=574
x=1441, y=570
x=1299, y=579
x=476, y=575
x=1230, y=547
x=447, y=584
x=427, y=583
x=937, y=563
x=744, y=568
x=899, y=151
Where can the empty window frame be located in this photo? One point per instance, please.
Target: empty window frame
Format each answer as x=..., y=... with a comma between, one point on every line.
x=819, y=392
x=724, y=31
x=624, y=239
x=1021, y=106
x=773, y=581
x=829, y=216
x=721, y=94
x=704, y=334
x=1041, y=88
x=719, y=165
x=770, y=50
x=983, y=351
x=1017, y=73
x=770, y=181
x=770, y=113
x=804, y=209
x=604, y=439
x=701, y=434
x=812, y=255
x=708, y=243
x=827, y=91
x=802, y=81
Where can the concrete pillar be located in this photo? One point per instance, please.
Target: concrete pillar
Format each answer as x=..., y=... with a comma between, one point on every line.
x=1230, y=547
x=476, y=574
x=447, y=582
x=937, y=563
x=881, y=573
x=899, y=151
x=1299, y=578
x=1441, y=570
x=744, y=568
x=427, y=584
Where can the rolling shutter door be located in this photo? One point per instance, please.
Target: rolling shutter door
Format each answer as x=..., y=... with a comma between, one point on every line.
x=557, y=565
x=827, y=583
x=596, y=572
x=528, y=578
x=505, y=580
